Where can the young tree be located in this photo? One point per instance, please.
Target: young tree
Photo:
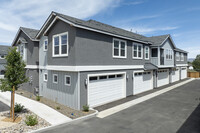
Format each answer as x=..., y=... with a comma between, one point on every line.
x=196, y=63
x=14, y=75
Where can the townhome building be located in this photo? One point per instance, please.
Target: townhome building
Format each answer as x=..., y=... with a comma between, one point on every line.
x=3, y=53
x=92, y=63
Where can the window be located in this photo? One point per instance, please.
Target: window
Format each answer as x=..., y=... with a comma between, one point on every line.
x=45, y=77
x=111, y=76
x=93, y=78
x=102, y=77
x=45, y=45
x=67, y=80
x=2, y=56
x=177, y=56
x=146, y=52
x=55, y=78
x=154, y=52
x=169, y=54
x=22, y=51
x=60, y=45
x=182, y=57
x=137, y=51
x=119, y=48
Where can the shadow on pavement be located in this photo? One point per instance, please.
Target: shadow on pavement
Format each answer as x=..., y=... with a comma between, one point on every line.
x=192, y=124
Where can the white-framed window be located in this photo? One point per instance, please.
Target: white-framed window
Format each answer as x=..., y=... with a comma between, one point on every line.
x=146, y=52
x=137, y=51
x=45, y=45
x=60, y=45
x=55, y=78
x=45, y=77
x=119, y=48
x=67, y=80
x=182, y=57
x=22, y=51
x=169, y=54
x=177, y=56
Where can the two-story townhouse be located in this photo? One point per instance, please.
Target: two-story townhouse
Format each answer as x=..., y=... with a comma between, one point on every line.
x=28, y=46
x=88, y=62
x=3, y=53
x=170, y=60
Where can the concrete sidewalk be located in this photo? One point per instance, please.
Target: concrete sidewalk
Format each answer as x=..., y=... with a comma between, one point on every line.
x=50, y=115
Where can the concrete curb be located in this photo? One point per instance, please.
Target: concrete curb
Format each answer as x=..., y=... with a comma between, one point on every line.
x=68, y=122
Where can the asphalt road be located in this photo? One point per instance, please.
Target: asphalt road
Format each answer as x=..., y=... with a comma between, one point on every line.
x=175, y=111
x=3, y=107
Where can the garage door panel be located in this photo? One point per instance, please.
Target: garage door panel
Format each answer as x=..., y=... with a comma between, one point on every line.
x=105, y=90
x=183, y=73
x=163, y=78
x=175, y=75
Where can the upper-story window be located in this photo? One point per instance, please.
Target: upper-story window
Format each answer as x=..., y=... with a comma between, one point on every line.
x=22, y=51
x=177, y=56
x=119, y=48
x=137, y=51
x=2, y=56
x=168, y=54
x=146, y=52
x=60, y=45
x=182, y=57
x=45, y=45
x=154, y=52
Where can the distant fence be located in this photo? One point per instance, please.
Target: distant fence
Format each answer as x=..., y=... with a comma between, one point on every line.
x=194, y=74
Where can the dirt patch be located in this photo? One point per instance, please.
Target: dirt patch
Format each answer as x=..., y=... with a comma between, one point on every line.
x=69, y=112
x=9, y=119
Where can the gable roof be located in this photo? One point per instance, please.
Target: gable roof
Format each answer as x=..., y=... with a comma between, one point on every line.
x=31, y=33
x=93, y=26
x=158, y=40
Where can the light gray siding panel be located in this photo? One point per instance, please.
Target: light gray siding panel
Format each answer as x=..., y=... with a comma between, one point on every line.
x=96, y=49
x=182, y=62
x=29, y=86
x=42, y=53
x=83, y=87
x=66, y=95
x=168, y=45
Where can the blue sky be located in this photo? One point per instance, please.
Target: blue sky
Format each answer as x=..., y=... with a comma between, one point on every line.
x=180, y=18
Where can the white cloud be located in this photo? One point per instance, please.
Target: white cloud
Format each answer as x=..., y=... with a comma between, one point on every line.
x=33, y=13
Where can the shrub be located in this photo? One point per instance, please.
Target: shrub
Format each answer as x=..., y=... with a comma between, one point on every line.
x=58, y=108
x=18, y=108
x=86, y=108
x=31, y=120
x=38, y=98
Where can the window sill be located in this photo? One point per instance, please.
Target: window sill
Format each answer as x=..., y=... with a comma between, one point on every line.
x=119, y=57
x=137, y=58
x=60, y=56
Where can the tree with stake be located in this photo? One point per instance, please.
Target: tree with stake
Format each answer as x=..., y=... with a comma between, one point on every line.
x=14, y=76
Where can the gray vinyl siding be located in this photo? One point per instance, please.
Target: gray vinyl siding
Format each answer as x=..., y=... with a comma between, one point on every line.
x=83, y=86
x=168, y=45
x=182, y=62
x=29, y=86
x=66, y=95
x=97, y=49
x=32, y=50
x=42, y=53
x=61, y=27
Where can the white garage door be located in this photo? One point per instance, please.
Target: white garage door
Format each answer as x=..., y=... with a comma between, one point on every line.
x=183, y=73
x=143, y=81
x=175, y=75
x=106, y=88
x=163, y=77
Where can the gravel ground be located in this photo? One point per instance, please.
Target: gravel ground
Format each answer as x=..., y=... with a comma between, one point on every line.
x=21, y=127
x=69, y=112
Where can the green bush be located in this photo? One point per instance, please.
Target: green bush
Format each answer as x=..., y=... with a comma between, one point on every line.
x=31, y=120
x=38, y=98
x=86, y=108
x=58, y=108
x=18, y=108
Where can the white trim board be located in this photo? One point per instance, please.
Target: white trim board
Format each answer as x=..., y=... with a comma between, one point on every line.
x=181, y=64
x=32, y=66
x=93, y=68
x=165, y=66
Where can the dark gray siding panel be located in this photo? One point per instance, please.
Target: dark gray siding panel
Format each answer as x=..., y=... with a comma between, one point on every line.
x=61, y=27
x=32, y=50
x=182, y=62
x=83, y=87
x=96, y=49
x=66, y=95
x=29, y=86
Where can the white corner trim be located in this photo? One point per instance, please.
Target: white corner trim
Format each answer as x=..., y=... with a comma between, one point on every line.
x=32, y=66
x=181, y=64
x=93, y=68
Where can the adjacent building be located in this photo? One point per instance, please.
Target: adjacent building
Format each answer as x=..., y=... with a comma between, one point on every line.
x=76, y=62
x=3, y=53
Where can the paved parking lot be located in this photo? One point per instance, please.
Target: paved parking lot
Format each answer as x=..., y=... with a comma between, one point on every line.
x=3, y=107
x=174, y=111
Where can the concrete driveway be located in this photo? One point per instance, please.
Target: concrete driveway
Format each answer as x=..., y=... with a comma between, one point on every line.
x=175, y=111
x=3, y=107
